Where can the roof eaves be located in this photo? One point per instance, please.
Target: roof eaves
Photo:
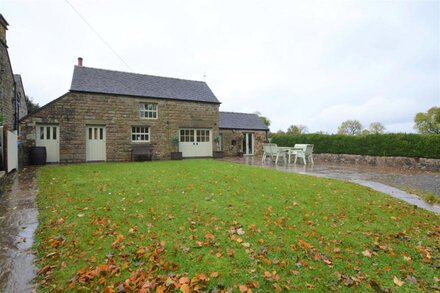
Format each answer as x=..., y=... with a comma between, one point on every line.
x=144, y=97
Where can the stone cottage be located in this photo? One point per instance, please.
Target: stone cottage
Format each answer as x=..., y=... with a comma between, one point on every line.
x=106, y=113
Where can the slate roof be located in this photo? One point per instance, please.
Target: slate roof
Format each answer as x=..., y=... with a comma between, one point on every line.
x=232, y=120
x=93, y=80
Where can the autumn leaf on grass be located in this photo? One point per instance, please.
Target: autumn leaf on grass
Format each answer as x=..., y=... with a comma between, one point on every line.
x=60, y=221
x=398, y=282
x=240, y=231
x=230, y=252
x=209, y=237
x=406, y=258
x=214, y=275
x=367, y=253
x=184, y=288
x=118, y=239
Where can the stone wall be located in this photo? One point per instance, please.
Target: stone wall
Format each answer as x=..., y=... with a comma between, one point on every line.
x=230, y=149
x=392, y=162
x=6, y=87
x=21, y=97
x=74, y=111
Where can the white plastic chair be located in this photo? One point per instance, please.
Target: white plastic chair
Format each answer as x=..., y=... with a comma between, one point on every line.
x=304, y=152
x=271, y=150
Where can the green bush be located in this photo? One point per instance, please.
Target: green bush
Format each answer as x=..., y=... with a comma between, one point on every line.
x=392, y=145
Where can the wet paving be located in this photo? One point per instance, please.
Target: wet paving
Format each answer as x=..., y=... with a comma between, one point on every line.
x=18, y=221
x=391, y=181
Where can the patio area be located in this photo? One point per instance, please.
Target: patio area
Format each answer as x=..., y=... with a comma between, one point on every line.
x=392, y=181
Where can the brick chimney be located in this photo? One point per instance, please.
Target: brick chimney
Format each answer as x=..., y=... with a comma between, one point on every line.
x=3, y=27
x=80, y=61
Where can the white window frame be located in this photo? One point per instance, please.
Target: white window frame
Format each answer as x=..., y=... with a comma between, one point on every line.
x=138, y=132
x=148, y=109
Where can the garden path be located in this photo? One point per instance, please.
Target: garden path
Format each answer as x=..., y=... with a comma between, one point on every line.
x=387, y=180
x=18, y=221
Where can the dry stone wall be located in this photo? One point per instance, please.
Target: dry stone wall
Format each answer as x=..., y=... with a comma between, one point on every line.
x=393, y=162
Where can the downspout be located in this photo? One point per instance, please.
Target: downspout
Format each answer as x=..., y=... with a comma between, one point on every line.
x=15, y=107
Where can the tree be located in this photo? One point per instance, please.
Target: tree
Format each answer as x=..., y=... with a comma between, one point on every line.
x=297, y=129
x=376, y=128
x=350, y=127
x=428, y=122
x=265, y=120
x=31, y=105
x=280, y=132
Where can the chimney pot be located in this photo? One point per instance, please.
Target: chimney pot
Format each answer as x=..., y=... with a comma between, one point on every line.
x=80, y=61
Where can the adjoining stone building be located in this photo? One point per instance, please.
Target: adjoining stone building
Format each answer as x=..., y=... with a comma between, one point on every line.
x=106, y=113
x=242, y=133
x=12, y=96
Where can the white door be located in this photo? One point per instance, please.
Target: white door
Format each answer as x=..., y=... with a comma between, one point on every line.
x=95, y=143
x=49, y=136
x=248, y=144
x=195, y=143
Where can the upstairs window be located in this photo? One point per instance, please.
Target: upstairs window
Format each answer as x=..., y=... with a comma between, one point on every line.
x=148, y=111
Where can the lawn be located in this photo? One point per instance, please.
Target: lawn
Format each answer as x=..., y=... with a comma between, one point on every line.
x=205, y=224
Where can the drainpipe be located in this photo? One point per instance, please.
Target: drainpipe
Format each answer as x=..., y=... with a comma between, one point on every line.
x=15, y=107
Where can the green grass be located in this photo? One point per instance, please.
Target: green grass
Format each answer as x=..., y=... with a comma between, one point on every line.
x=152, y=224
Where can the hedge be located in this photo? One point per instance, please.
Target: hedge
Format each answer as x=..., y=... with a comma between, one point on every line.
x=392, y=145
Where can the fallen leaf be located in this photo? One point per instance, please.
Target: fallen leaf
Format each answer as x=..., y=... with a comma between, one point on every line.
x=118, y=239
x=184, y=288
x=397, y=281
x=367, y=253
x=411, y=279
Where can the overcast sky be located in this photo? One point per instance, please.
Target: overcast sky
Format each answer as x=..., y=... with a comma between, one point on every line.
x=315, y=63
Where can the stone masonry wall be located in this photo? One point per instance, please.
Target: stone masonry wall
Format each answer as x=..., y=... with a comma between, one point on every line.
x=6, y=87
x=74, y=111
x=392, y=162
x=21, y=99
x=231, y=150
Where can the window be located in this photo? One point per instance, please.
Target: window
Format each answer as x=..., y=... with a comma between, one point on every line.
x=140, y=134
x=202, y=135
x=148, y=111
x=186, y=135
x=46, y=131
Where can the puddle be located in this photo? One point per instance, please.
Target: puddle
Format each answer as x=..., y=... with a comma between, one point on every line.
x=18, y=221
x=385, y=180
